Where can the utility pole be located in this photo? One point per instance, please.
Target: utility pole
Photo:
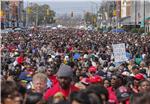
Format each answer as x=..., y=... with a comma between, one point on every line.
x=144, y=18
x=95, y=12
x=27, y=15
x=37, y=17
x=135, y=12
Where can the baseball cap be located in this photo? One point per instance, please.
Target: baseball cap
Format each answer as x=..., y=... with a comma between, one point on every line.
x=122, y=93
x=139, y=76
x=134, y=67
x=92, y=69
x=95, y=79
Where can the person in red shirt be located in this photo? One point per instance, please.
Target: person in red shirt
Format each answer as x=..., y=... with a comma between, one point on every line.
x=51, y=76
x=92, y=70
x=115, y=83
x=64, y=85
x=20, y=59
x=136, y=79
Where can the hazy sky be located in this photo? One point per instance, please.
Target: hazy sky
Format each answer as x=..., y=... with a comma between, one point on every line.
x=62, y=0
x=67, y=6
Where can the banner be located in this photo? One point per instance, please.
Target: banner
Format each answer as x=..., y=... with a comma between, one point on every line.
x=114, y=13
x=1, y=13
x=119, y=52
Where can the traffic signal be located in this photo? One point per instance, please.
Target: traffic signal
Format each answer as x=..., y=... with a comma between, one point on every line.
x=71, y=14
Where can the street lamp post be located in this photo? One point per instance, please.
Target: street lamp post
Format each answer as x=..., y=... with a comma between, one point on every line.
x=37, y=17
x=27, y=15
x=96, y=11
x=135, y=12
x=144, y=18
x=29, y=11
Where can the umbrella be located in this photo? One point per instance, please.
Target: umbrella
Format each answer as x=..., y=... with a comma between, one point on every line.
x=76, y=56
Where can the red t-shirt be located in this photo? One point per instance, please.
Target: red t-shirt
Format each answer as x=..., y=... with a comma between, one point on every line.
x=112, y=96
x=52, y=91
x=53, y=79
x=20, y=59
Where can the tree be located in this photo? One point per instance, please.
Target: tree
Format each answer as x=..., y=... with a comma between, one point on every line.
x=40, y=14
x=90, y=18
x=108, y=7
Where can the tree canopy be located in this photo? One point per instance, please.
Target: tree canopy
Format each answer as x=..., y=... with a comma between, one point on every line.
x=42, y=14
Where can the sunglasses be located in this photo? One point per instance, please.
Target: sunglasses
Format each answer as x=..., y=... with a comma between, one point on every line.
x=92, y=72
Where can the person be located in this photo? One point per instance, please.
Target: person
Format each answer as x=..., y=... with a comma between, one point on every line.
x=58, y=98
x=39, y=83
x=136, y=79
x=21, y=49
x=134, y=70
x=123, y=95
x=34, y=98
x=95, y=79
x=83, y=83
x=145, y=99
x=115, y=83
x=92, y=70
x=131, y=64
x=148, y=70
x=79, y=98
x=10, y=93
x=20, y=59
x=100, y=91
x=64, y=85
x=84, y=97
x=106, y=82
x=144, y=86
x=51, y=76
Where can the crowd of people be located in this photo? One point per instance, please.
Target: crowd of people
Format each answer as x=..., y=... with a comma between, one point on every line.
x=73, y=66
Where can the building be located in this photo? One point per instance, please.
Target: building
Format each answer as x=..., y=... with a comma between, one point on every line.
x=118, y=9
x=140, y=12
x=125, y=8
x=134, y=13
x=11, y=13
